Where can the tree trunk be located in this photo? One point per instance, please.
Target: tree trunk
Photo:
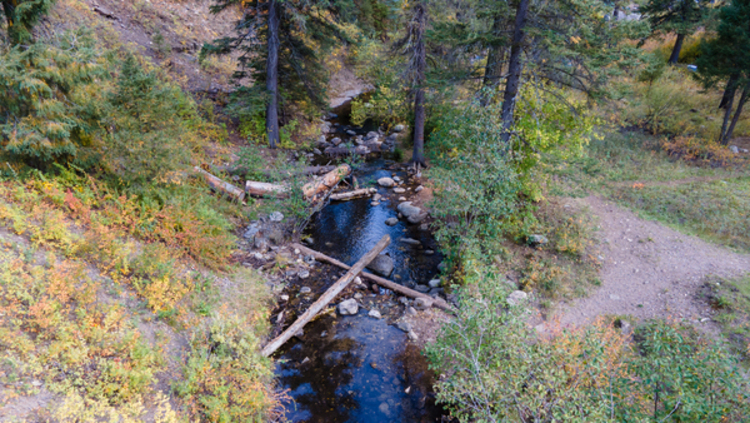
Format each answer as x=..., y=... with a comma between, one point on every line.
x=676, y=50
x=727, y=114
x=421, y=65
x=272, y=76
x=515, y=67
x=10, y=9
x=326, y=298
x=494, y=62
x=729, y=91
x=743, y=99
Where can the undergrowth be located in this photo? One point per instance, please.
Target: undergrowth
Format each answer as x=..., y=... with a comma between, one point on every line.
x=730, y=298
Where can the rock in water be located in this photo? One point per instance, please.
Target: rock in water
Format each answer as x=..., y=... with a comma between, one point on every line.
x=375, y=314
x=434, y=283
x=399, y=190
x=399, y=128
x=386, y=182
x=336, y=141
x=517, y=297
x=382, y=265
x=391, y=221
x=408, y=210
x=404, y=326
x=410, y=241
x=348, y=307
x=416, y=219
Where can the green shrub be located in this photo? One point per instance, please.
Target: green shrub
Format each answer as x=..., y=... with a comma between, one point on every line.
x=495, y=368
x=48, y=101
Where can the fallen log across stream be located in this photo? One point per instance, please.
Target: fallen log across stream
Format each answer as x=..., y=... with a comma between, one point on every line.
x=350, y=195
x=309, y=190
x=393, y=286
x=326, y=298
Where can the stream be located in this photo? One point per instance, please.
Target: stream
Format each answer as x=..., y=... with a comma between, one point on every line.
x=360, y=368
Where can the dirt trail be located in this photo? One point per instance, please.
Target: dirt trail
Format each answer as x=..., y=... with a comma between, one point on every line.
x=649, y=270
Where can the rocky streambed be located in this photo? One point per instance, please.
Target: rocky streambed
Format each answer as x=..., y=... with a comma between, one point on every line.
x=360, y=360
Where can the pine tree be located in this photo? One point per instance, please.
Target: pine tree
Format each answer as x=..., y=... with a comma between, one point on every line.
x=727, y=59
x=275, y=39
x=21, y=16
x=679, y=16
x=413, y=46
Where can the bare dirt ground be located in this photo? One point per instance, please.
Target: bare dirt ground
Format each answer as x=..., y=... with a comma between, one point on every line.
x=649, y=270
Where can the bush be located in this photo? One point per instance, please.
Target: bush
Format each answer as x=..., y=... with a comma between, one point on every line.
x=48, y=101
x=494, y=368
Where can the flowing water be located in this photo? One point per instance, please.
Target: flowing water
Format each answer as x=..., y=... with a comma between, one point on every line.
x=359, y=368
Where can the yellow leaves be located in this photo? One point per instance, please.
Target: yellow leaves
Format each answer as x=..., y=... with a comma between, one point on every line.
x=575, y=40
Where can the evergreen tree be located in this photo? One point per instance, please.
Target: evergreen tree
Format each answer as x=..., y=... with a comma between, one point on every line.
x=22, y=15
x=280, y=43
x=679, y=16
x=413, y=46
x=727, y=59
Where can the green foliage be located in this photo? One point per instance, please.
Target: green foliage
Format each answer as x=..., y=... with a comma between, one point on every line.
x=549, y=127
x=385, y=105
x=678, y=375
x=225, y=379
x=59, y=103
x=22, y=15
x=653, y=69
x=496, y=368
x=679, y=16
x=476, y=183
x=48, y=110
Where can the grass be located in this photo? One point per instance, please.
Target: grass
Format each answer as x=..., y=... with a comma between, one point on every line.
x=710, y=202
x=730, y=298
x=718, y=211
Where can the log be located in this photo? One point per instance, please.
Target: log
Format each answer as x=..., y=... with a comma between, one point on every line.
x=349, y=195
x=393, y=286
x=221, y=186
x=265, y=189
x=309, y=190
x=326, y=182
x=327, y=297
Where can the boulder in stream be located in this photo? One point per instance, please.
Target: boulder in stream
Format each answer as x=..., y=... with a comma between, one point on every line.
x=408, y=210
x=348, y=307
x=382, y=265
x=391, y=221
x=386, y=182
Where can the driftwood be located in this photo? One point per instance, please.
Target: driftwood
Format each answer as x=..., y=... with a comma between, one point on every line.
x=309, y=190
x=357, y=193
x=265, y=189
x=326, y=298
x=326, y=182
x=221, y=186
x=393, y=286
